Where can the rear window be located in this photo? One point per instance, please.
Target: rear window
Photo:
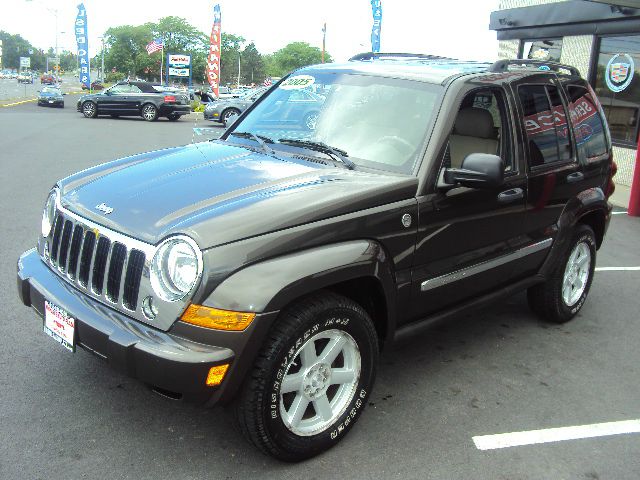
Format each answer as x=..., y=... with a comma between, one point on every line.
x=587, y=124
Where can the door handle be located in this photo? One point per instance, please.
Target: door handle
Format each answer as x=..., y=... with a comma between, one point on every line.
x=575, y=177
x=511, y=195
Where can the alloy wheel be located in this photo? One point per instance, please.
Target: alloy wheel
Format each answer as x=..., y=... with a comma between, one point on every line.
x=576, y=274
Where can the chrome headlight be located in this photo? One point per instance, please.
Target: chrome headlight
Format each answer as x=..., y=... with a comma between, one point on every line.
x=49, y=213
x=176, y=267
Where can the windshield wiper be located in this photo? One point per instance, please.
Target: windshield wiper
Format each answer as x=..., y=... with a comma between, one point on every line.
x=261, y=139
x=333, y=152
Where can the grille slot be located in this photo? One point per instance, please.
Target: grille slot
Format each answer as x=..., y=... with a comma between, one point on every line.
x=132, y=279
x=99, y=264
x=74, y=252
x=85, y=259
x=116, y=265
x=64, y=245
x=55, y=242
x=105, y=264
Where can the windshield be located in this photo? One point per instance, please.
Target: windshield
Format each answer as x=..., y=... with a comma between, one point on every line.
x=379, y=122
x=50, y=90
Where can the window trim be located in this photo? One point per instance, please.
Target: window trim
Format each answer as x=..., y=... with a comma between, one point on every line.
x=551, y=165
x=593, y=74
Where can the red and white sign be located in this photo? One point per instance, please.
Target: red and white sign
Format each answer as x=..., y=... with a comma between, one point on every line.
x=59, y=325
x=580, y=110
x=213, y=59
x=179, y=61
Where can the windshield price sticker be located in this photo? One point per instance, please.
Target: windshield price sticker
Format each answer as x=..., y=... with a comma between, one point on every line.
x=297, y=82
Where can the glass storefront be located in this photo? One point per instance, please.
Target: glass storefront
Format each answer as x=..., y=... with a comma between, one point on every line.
x=549, y=49
x=618, y=85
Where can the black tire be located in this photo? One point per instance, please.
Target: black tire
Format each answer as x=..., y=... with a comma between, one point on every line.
x=149, y=112
x=89, y=109
x=228, y=113
x=173, y=117
x=546, y=299
x=260, y=404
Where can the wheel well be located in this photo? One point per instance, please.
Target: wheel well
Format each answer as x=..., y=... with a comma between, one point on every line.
x=368, y=293
x=596, y=220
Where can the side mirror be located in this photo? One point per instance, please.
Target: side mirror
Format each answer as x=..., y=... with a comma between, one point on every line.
x=230, y=120
x=479, y=170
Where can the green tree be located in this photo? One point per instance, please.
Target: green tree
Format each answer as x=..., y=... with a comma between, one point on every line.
x=252, y=70
x=126, y=48
x=230, y=45
x=293, y=56
x=14, y=47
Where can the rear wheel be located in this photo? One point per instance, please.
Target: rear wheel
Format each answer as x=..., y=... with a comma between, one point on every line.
x=149, y=112
x=89, y=110
x=312, y=378
x=561, y=297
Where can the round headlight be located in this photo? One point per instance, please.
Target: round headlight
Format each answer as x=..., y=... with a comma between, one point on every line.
x=175, y=268
x=48, y=213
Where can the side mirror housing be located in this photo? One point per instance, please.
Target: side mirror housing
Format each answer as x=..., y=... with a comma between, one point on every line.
x=479, y=170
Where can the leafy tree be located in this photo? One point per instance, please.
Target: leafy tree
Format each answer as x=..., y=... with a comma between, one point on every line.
x=293, y=56
x=252, y=65
x=230, y=45
x=14, y=47
x=126, y=48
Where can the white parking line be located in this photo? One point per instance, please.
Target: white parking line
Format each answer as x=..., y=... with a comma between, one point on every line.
x=531, y=437
x=616, y=269
x=619, y=213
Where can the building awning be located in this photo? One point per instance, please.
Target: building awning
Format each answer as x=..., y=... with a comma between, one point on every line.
x=573, y=17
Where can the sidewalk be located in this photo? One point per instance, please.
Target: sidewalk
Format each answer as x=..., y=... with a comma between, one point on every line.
x=621, y=195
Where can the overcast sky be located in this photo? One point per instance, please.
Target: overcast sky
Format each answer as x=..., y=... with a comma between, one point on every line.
x=457, y=29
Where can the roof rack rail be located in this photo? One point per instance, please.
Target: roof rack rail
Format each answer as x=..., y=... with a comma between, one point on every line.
x=503, y=66
x=361, y=57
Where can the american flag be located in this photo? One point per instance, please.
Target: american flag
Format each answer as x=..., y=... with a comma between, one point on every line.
x=154, y=46
x=267, y=82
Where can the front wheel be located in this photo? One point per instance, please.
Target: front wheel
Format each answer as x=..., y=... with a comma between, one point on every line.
x=149, y=112
x=227, y=114
x=561, y=297
x=311, y=381
x=89, y=110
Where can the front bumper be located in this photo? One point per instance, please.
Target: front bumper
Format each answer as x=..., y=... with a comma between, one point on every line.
x=163, y=360
x=48, y=101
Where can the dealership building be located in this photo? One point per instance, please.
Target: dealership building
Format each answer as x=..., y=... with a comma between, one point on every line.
x=601, y=39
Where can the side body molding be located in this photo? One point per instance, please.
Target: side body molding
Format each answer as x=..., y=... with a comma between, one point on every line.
x=272, y=284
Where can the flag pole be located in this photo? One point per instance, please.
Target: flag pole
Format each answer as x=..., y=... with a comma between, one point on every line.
x=161, y=61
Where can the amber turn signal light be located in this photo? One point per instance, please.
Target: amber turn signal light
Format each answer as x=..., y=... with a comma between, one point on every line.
x=217, y=319
x=216, y=375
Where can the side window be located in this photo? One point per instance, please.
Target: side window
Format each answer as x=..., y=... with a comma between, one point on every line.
x=545, y=124
x=480, y=127
x=134, y=89
x=587, y=124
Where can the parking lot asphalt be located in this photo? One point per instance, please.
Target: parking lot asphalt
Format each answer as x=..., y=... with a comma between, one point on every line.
x=69, y=416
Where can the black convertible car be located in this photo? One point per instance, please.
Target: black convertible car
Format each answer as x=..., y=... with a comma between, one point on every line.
x=135, y=99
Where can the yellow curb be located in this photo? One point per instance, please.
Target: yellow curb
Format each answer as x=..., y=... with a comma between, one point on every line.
x=18, y=103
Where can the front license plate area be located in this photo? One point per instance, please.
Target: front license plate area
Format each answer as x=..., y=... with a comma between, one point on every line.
x=59, y=325
x=50, y=101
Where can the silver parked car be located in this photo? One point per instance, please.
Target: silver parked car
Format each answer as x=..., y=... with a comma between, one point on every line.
x=220, y=110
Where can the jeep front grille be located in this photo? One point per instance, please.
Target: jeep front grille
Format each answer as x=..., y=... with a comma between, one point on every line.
x=92, y=261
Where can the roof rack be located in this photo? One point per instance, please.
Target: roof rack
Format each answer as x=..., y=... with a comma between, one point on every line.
x=368, y=56
x=503, y=66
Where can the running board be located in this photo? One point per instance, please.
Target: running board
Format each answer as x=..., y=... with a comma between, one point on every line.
x=407, y=332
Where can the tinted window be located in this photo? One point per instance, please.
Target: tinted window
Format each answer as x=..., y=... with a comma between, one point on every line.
x=545, y=125
x=618, y=86
x=588, y=127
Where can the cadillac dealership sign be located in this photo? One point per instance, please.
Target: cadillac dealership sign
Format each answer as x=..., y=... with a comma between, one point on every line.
x=619, y=72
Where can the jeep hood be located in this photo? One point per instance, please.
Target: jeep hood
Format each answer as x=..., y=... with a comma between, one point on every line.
x=218, y=193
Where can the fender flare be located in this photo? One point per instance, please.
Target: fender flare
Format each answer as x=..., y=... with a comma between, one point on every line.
x=272, y=284
x=588, y=201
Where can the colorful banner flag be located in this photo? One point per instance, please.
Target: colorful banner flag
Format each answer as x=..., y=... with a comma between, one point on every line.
x=82, y=40
x=376, y=7
x=154, y=46
x=213, y=59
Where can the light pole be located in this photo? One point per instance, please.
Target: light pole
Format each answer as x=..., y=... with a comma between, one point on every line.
x=102, y=66
x=239, y=52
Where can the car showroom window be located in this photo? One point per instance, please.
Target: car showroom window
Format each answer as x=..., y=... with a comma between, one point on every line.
x=545, y=125
x=549, y=49
x=588, y=127
x=618, y=88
